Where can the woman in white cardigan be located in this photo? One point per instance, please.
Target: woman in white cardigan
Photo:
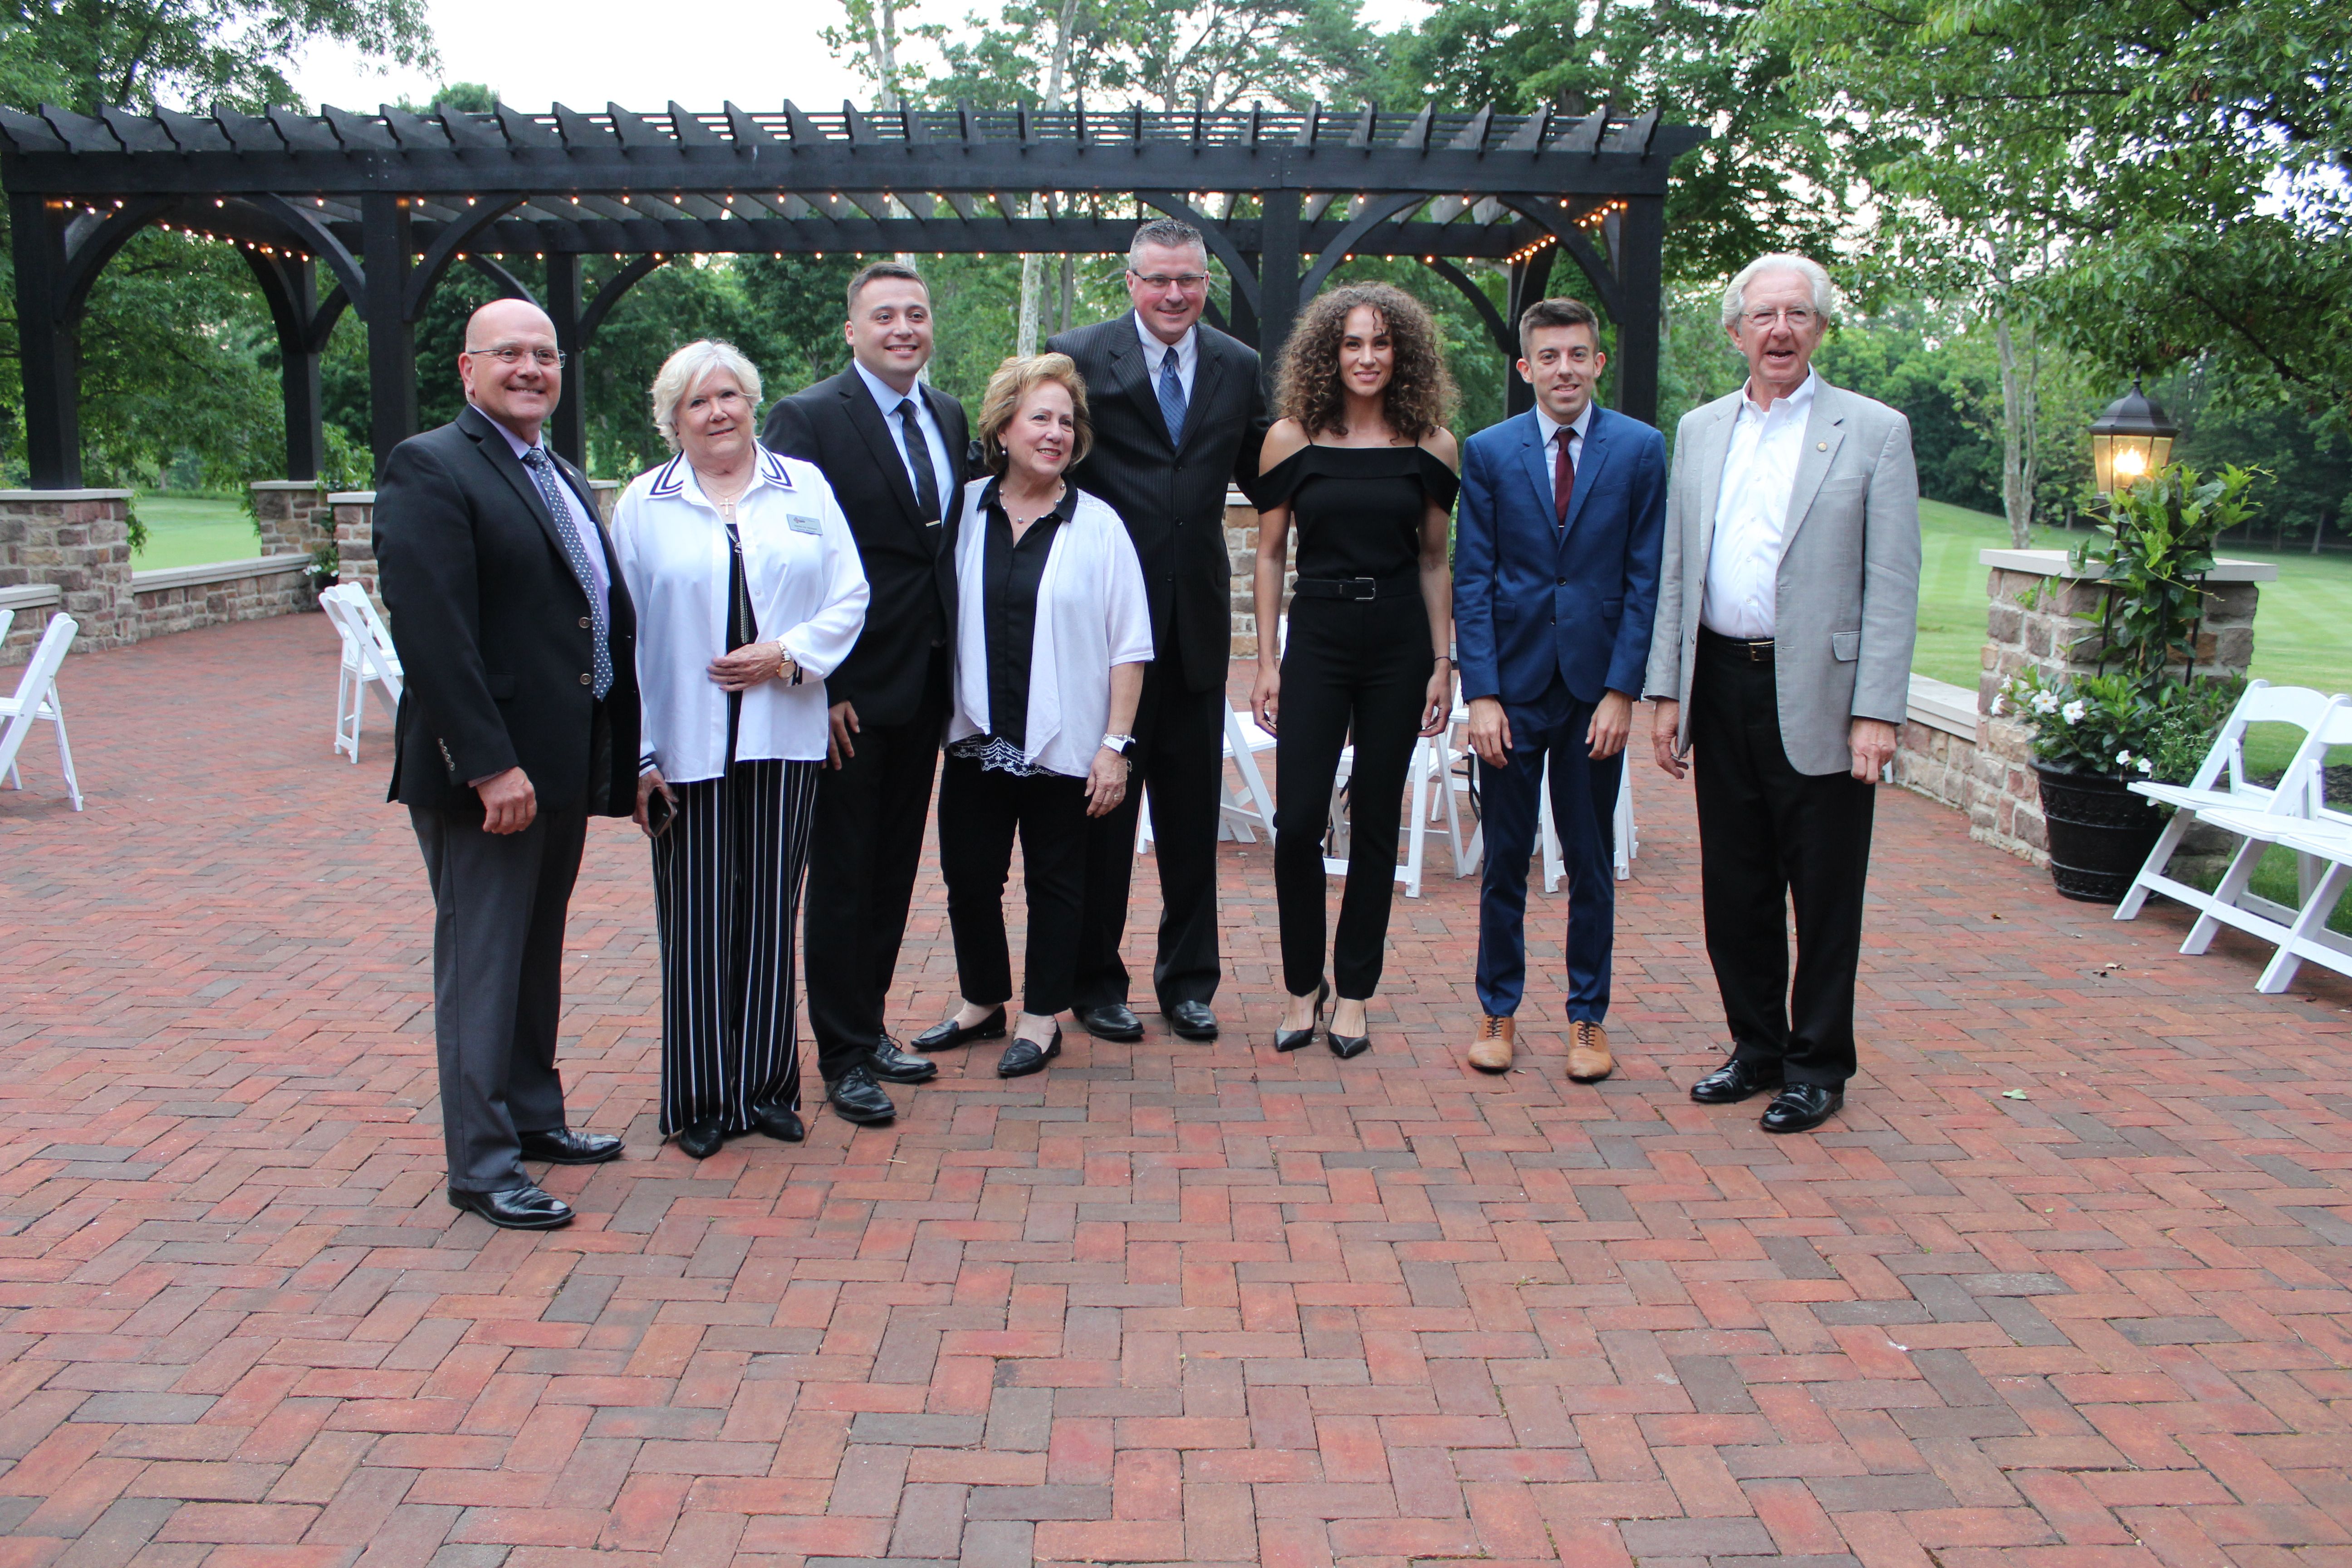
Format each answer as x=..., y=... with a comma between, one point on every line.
x=749, y=592
x=1052, y=634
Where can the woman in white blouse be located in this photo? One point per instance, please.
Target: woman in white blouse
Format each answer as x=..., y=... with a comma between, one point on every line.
x=1052, y=634
x=749, y=591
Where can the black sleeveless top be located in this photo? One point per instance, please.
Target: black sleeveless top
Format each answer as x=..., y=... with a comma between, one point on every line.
x=1359, y=509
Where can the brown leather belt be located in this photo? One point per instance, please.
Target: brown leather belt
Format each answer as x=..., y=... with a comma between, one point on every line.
x=1753, y=650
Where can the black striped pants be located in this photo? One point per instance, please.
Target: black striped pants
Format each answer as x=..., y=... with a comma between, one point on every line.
x=727, y=895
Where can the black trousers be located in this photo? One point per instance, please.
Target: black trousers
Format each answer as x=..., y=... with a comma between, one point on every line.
x=1357, y=667
x=1180, y=738
x=498, y=904
x=868, y=843
x=1769, y=837
x=727, y=886
x=980, y=810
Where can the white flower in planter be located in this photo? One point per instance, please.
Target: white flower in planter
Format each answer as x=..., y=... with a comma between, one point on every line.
x=2045, y=702
x=2074, y=711
x=2147, y=766
x=2123, y=759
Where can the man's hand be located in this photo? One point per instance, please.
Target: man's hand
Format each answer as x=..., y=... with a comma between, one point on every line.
x=844, y=724
x=509, y=803
x=1664, y=719
x=1612, y=721
x=1490, y=732
x=1872, y=743
x=647, y=783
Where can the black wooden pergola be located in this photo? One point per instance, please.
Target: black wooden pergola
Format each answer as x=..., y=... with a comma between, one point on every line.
x=386, y=203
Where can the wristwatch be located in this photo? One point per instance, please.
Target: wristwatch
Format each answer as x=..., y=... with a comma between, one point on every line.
x=1122, y=744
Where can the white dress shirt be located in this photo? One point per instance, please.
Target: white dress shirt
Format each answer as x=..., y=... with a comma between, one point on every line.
x=1187, y=350
x=597, y=566
x=889, y=398
x=1751, y=514
x=1552, y=429
x=807, y=588
x=1091, y=614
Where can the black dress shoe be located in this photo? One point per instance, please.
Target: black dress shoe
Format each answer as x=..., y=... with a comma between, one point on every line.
x=1294, y=1039
x=1346, y=1046
x=703, y=1139
x=947, y=1034
x=1193, y=1021
x=1022, y=1058
x=1111, y=1021
x=517, y=1208
x=565, y=1147
x=892, y=1065
x=856, y=1097
x=779, y=1121
x=1802, y=1107
x=1734, y=1082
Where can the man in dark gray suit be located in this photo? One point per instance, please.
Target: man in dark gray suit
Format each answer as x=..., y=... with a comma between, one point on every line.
x=518, y=722
x=1788, y=602
x=1179, y=414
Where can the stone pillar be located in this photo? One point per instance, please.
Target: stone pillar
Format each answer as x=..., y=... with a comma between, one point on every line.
x=78, y=541
x=354, y=513
x=2043, y=616
x=294, y=516
x=1241, y=543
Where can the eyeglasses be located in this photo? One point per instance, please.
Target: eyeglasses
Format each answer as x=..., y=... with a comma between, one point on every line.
x=509, y=354
x=1798, y=317
x=1187, y=281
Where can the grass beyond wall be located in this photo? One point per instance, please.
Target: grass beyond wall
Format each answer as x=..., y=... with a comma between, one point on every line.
x=193, y=530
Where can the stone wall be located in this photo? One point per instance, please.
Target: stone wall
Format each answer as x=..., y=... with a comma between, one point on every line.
x=183, y=598
x=78, y=541
x=294, y=516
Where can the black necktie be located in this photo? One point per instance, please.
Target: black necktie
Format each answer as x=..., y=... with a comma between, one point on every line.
x=918, y=454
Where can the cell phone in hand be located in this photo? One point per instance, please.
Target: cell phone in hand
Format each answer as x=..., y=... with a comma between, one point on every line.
x=660, y=813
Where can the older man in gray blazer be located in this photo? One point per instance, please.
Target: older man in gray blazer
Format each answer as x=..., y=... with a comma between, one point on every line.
x=1788, y=601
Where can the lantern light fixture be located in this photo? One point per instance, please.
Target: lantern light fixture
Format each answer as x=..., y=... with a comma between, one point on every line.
x=2130, y=440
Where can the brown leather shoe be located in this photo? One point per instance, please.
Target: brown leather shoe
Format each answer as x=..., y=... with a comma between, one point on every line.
x=1491, y=1052
x=1588, y=1060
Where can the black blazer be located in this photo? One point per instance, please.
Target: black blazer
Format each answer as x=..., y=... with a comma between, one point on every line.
x=492, y=627
x=910, y=558
x=1172, y=502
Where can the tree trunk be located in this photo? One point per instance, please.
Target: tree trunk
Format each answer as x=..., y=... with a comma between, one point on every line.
x=1032, y=265
x=882, y=43
x=2020, y=446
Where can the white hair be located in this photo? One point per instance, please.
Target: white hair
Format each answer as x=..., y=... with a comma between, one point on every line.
x=688, y=369
x=1735, y=298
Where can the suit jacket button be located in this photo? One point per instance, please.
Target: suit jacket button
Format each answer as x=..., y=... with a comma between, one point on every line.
x=583, y=677
x=584, y=620
x=1561, y=582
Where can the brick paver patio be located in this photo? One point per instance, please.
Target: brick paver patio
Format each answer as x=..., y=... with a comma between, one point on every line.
x=2067, y=1283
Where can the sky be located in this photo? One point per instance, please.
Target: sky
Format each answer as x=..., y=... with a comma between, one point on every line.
x=625, y=52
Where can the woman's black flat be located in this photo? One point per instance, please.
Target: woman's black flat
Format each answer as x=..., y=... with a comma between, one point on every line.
x=946, y=1034
x=1022, y=1058
x=703, y=1139
x=1294, y=1039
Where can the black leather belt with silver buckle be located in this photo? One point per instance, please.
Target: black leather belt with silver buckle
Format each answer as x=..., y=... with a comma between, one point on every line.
x=1358, y=589
x=1755, y=651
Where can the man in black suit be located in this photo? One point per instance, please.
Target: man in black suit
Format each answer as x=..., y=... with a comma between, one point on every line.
x=1178, y=414
x=518, y=722
x=893, y=450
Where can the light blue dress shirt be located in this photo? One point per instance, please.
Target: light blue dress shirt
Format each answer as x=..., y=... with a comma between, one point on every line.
x=889, y=398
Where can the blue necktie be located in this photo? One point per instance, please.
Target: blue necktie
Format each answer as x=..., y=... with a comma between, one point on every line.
x=551, y=489
x=1171, y=398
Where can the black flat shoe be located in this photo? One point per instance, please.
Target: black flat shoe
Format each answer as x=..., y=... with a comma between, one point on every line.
x=517, y=1208
x=948, y=1034
x=1294, y=1039
x=1734, y=1082
x=892, y=1065
x=856, y=1097
x=564, y=1147
x=1022, y=1058
x=779, y=1121
x=1802, y=1107
x=704, y=1138
x=1111, y=1021
x=1193, y=1021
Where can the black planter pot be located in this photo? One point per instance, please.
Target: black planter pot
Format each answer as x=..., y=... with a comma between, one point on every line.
x=2100, y=833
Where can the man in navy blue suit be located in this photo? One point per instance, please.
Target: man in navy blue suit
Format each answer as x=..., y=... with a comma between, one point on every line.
x=1555, y=586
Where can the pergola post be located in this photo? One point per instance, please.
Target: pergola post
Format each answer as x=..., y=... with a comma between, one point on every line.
x=567, y=431
x=47, y=343
x=1641, y=272
x=1277, y=276
x=392, y=331
x=289, y=285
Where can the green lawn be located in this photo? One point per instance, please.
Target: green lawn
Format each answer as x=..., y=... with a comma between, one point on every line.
x=193, y=530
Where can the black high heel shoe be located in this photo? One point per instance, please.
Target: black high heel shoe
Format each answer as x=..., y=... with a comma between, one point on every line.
x=1346, y=1046
x=1294, y=1039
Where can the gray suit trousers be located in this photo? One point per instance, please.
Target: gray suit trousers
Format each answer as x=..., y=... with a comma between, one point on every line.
x=499, y=901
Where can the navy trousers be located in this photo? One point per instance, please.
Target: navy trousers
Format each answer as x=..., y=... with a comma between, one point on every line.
x=1583, y=813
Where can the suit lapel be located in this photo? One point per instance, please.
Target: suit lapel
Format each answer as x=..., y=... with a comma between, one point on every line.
x=1135, y=379
x=1589, y=464
x=1825, y=434
x=1536, y=461
x=1714, y=447
x=492, y=443
x=1208, y=376
x=865, y=418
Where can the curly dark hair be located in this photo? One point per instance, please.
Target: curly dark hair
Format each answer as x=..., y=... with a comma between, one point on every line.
x=1420, y=396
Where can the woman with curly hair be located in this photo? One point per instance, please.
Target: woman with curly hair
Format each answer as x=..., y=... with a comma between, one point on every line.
x=1361, y=464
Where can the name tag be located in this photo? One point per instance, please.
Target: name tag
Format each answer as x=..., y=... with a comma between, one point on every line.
x=805, y=524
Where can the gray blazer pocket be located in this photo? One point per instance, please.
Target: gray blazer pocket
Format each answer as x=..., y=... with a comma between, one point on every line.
x=1845, y=646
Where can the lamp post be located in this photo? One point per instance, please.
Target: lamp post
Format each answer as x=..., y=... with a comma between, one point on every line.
x=2130, y=441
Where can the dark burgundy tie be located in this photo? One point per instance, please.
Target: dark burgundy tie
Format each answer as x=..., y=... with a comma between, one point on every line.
x=1563, y=477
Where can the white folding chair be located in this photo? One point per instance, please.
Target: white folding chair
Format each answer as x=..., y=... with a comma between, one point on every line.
x=2298, y=819
x=35, y=699
x=349, y=696
x=8, y=618
x=1238, y=810
x=369, y=659
x=2221, y=784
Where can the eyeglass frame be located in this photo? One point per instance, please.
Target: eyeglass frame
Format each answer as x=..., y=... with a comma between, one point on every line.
x=1798, y=317
x=512, y=354
x=1191, y=283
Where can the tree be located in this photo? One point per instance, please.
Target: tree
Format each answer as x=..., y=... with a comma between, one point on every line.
x=85, y=54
